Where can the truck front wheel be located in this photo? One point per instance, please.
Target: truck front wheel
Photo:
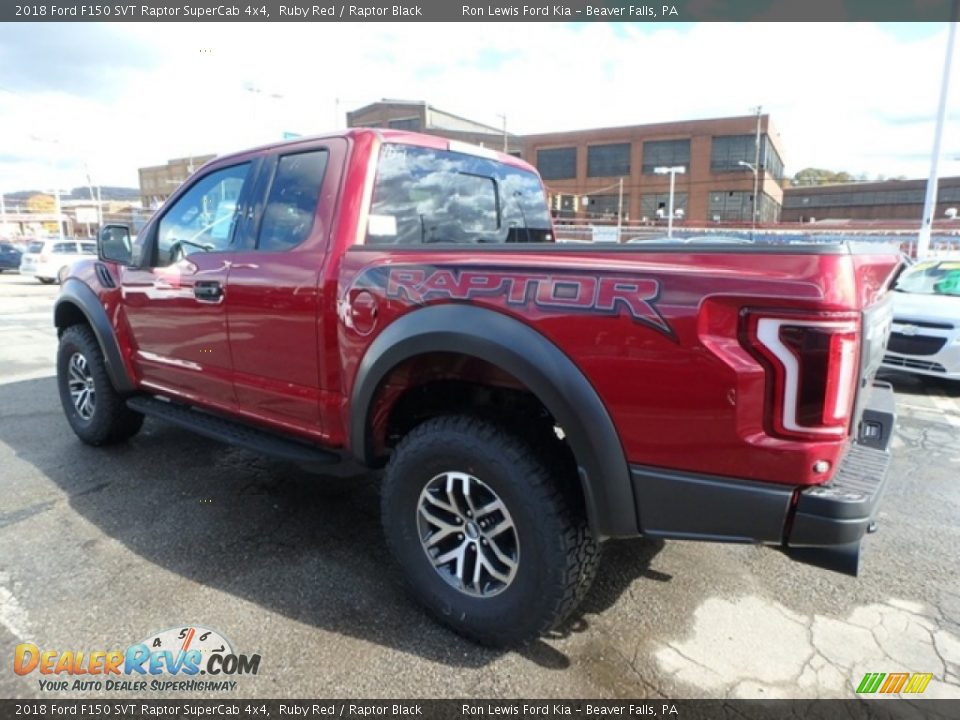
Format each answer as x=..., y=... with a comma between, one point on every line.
x=488, y=541
x=95, y=411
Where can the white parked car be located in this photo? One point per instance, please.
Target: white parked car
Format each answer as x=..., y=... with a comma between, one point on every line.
x=925, y=337
x=49, y=260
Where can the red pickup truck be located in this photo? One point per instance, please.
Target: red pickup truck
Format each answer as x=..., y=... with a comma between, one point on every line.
x=392, y=300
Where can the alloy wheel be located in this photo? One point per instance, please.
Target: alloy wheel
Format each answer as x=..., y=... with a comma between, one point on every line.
x=82, y=389
x=468, y=534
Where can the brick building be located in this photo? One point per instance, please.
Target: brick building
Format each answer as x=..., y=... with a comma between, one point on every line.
x=158, y=182
x=714, y=188
x=887, y=200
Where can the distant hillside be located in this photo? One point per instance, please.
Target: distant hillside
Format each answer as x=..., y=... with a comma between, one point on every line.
x=107, y=192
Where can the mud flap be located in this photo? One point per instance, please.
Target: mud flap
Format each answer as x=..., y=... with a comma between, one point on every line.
x=839, y=558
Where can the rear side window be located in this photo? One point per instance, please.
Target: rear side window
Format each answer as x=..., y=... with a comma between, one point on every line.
x=422, y=195
x=292, y=202
x=64, y=248
x=88, y=248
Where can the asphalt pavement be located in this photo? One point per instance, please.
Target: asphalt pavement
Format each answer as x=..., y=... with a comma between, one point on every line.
x=102, y=548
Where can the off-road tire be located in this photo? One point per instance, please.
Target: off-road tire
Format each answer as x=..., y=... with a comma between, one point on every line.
x=557, y=552
x=111, y=420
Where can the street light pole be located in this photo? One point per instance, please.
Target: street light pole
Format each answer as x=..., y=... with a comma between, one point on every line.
x=756, y=173
x=930, y=200
x=504, y=118
x=620, y=210
x=672, y=172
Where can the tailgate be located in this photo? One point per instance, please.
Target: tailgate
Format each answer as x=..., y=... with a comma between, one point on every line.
x=874, y=273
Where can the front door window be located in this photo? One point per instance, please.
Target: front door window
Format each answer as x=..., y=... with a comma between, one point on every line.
x=202, y=219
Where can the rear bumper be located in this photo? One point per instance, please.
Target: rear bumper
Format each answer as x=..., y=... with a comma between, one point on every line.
x=835, y=515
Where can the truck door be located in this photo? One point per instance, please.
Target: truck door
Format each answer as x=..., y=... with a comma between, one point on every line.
x=275, y=295
x=175, y=305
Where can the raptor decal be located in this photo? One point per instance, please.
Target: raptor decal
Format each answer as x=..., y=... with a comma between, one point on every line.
x=603, y=294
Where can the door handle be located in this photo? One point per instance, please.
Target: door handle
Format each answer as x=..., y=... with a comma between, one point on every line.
x=208, y=290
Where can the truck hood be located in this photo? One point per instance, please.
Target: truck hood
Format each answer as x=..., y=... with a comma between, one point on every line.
x=917, y=306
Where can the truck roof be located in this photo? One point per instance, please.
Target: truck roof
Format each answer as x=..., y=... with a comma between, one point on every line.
x=385, y=135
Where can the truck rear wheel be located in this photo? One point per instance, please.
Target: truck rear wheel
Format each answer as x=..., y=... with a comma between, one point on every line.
x=487, y=540
x=95, y=411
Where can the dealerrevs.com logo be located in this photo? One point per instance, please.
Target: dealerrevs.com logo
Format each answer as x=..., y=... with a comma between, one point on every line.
x=190, y=659
x=894, y=683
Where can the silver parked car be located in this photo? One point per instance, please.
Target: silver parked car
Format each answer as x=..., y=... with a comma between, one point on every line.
x=925, y=338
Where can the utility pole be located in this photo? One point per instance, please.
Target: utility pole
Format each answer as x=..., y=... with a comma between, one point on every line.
x=756, y=172
x=672, y=172
x=930, y=200
x=59, y=211
x=504, y=118
x=96, y=200
x=620, y=211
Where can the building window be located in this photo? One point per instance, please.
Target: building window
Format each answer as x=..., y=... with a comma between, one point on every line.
x=608, y=160
x=557, y=163
x=949, y=194
x=769, y=210
x=730, y=206
x=728, y=151
x=737, y=206
x=655, y=206
x=770, y=160
x=564, y=206
x=604, y=206
x=665, y=153
x=411, y=123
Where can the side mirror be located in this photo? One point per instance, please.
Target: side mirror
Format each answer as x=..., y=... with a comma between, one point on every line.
x=114, y=244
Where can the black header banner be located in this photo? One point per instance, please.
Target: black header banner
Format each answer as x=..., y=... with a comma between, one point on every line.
x=117, y=708
x=641, y=11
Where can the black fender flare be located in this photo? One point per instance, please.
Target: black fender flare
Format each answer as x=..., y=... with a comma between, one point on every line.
x=76, y=293
x=533, y=360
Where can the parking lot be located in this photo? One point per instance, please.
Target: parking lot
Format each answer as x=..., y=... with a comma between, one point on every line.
x=101, y=548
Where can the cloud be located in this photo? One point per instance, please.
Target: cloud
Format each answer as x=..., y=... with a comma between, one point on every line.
x=83, y=59
x=125, y=96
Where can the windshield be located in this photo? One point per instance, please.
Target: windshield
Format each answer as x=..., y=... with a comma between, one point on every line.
x=931, y=278
x=424, y=195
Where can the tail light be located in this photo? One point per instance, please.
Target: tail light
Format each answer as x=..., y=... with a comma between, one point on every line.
x=44, y=257
x=812, y=364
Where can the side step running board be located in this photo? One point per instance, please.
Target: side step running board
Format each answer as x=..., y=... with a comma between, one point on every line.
x=233, y=433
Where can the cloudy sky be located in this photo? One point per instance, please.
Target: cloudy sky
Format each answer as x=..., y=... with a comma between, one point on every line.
x=115, y=97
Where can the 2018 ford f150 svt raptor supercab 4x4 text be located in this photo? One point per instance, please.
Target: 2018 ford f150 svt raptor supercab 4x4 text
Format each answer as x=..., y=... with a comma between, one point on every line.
x=396, y=300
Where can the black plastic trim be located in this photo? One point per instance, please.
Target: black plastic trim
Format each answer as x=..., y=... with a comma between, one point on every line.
x=234, y=432
x=76, y=293
x=841, y=511
x=879, y=417
x=103, y=275
x=534, y=361
x=688, y=506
